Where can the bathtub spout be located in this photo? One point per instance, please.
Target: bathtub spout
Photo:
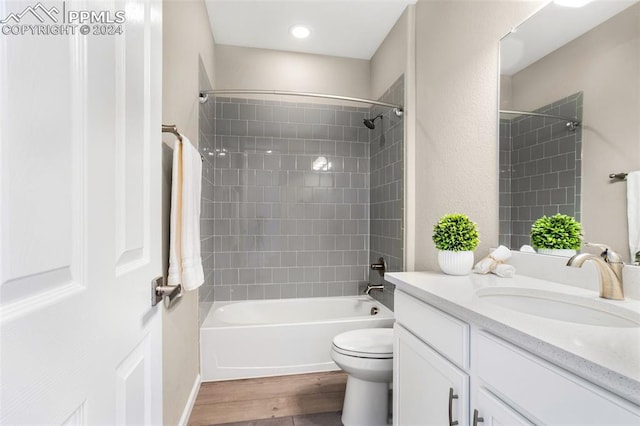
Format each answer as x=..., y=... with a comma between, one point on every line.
x=379, y=287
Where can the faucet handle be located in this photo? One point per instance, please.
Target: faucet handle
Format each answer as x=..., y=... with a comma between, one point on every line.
x=607, y=254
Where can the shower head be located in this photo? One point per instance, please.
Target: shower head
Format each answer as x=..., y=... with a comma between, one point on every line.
x=369, y=122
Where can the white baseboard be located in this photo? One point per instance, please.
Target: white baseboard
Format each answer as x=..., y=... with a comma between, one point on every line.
x=184, y=419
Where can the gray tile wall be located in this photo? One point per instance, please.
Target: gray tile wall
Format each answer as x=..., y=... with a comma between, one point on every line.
x=387, y=190
x=504, y=183
x=544, y=168
x=288, y=209
x=206, y=146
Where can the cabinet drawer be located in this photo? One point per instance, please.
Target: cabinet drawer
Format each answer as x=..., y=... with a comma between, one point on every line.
x=444, y=333
x=546, y=393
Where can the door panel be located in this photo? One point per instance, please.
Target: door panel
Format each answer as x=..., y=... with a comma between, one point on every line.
x=132, y=188
x=134, y=377
x=80, y=220
x=42, y=152
x=422, y=380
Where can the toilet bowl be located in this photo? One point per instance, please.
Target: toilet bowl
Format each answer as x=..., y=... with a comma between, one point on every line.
x=367, y=357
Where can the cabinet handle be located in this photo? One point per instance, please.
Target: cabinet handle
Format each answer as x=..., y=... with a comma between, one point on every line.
x=451, y=398
x=476, y=418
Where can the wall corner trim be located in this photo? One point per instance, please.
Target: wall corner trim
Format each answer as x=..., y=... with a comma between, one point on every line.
x=184, y=419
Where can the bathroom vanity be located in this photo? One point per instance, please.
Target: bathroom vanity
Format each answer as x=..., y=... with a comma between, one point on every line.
x=471, y=350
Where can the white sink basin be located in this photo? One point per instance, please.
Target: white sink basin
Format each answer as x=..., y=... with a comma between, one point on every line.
x=561, y=307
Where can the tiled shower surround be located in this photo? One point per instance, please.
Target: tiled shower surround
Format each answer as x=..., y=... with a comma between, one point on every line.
x=286, y=199
x=206, y=145
x=290, y=202
x=540, y=169
x=387, y=190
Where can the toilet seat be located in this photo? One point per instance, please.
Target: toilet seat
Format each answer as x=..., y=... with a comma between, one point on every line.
x=373, y=343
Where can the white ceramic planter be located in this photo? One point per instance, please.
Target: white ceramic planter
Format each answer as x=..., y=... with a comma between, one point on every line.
x=455, y=262
x=558, y=252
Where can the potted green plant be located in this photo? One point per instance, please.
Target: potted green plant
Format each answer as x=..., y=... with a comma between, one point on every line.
x=455, y=236
x=558, y=235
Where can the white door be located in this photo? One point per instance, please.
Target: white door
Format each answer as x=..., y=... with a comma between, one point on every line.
x=80, y=220
x=427, y=389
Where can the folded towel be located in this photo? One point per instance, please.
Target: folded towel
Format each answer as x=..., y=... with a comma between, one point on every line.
x=633, y=212
x=501, y=253
x=485, y=265
x=503, y=270
x=185, y=262
x=494, y=263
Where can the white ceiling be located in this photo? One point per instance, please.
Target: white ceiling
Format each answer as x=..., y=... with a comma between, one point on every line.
x=551, y=28
x=347, y=28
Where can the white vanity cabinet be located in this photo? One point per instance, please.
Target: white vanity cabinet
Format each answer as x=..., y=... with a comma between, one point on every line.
x=431, y=386
x=428, y=389
x=490, y=411
x=496, y=383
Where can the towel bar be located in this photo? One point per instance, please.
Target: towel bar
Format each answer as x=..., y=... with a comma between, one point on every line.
x=172, y=128
x=619, y=176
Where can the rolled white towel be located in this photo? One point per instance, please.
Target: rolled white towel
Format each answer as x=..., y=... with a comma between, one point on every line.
x=494, y=263
x=503, y=270
x=527, y=249
x=501, y=253
x=484, y=266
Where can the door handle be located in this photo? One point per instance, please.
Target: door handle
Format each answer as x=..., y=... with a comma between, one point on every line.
x=167, y=292
x=451, y=398
x=477, y=419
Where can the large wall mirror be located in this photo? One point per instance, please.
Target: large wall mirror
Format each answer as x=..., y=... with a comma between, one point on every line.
x=578, y=70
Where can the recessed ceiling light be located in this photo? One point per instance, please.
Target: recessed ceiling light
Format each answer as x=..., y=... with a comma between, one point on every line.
x=300, y=31
x=571, y=3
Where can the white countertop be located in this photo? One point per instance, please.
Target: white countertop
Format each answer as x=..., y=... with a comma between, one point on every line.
x=606, y=356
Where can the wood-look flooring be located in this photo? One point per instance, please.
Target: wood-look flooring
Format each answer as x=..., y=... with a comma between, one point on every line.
x=270, y=397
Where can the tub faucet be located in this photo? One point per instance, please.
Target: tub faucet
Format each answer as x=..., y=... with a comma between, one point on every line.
x=609, y=266
x=381, y=266
x=379, y=287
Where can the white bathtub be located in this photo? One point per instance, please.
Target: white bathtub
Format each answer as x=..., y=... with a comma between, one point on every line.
x=277, y=337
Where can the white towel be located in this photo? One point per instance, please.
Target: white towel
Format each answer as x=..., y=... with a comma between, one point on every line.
x=503, y=270
x=527, y=249
x=633, y=212
x=494, y=263
x=185, y=263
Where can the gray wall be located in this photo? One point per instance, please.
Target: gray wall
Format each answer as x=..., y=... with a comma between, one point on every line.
x=185, y=48
x=251, y=68
x=387, y=190
x=456, y=117
x=540, y=169
x=207, y=114
x=285, y=222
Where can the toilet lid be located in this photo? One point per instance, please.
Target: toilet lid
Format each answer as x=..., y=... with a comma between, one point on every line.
x=365, y=343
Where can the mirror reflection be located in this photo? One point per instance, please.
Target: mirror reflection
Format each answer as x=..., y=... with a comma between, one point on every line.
x=581, y=64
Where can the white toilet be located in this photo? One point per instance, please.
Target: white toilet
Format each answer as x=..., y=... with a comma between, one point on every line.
x=367, y=357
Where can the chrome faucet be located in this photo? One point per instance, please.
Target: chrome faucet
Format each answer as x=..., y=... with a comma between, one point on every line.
x=609, y=265
x=379, y=287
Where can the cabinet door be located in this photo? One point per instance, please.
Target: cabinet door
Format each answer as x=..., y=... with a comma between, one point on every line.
x=493, y=412
x=423, y=381
x=548, y=394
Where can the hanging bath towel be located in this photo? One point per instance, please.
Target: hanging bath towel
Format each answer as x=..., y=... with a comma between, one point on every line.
x=633, y=212
x=185, y=262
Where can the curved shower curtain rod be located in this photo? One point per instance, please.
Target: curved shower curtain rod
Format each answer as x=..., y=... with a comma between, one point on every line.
x=572, y=123
x=203, y=96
